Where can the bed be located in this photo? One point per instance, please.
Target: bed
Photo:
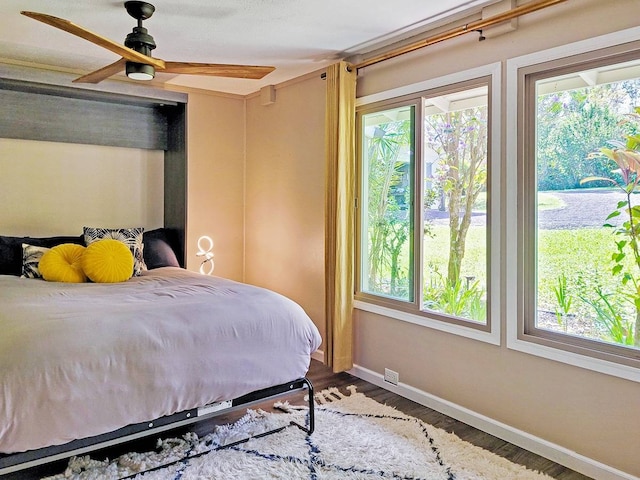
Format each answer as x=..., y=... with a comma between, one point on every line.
x=107, y=361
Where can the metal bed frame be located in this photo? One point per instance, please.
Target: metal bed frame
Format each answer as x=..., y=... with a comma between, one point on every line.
x=19, y=461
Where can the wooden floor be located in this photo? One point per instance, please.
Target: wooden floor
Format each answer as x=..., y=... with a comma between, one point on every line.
x=323, y=378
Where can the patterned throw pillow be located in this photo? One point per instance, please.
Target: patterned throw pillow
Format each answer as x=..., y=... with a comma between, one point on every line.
x=131, y=237
x=31, y=256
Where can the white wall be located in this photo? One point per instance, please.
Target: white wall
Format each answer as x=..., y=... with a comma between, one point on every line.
x=215, y=179
x=49, y=189
x=285, y=187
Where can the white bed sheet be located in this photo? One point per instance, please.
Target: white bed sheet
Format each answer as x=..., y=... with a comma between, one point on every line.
x=77, y=360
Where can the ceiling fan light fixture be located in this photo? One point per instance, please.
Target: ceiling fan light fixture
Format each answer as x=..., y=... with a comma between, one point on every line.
x=140, y=71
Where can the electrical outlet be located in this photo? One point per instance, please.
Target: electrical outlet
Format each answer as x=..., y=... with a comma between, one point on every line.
x=391, y=377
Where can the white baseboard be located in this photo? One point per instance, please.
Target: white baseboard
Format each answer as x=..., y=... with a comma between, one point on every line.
x=539, y=446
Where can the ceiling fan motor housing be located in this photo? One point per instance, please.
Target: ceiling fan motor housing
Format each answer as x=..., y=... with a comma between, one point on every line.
x=140, y=41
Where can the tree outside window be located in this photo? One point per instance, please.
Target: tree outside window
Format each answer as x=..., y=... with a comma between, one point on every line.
x=456, y=145
x=587, y=152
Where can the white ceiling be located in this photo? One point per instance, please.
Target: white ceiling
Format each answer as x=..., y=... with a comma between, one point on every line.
x=295, y=36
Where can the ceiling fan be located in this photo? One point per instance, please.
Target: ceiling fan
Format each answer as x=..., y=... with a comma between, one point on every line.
x=136, y=52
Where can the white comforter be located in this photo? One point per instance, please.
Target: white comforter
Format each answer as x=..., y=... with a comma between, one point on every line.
x=77, y=360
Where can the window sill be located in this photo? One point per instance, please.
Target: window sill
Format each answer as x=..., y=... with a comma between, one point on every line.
x=583, y=361
x=492, y=337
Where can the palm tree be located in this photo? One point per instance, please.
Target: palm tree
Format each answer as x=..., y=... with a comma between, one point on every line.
x=388, y=201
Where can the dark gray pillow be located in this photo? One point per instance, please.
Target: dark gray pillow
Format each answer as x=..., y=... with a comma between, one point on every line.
x=11, y=250
x=160, y=247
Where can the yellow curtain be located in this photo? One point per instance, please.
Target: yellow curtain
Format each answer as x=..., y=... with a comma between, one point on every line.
x=339, y=240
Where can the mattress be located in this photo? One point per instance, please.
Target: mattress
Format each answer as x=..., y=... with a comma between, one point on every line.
x=78, y=360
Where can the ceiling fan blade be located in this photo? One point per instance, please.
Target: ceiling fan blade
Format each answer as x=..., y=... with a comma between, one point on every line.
x=95, y=38
x=218, y=70
x=103, y=73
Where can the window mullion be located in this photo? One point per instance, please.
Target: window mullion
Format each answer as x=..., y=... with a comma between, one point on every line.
x=418, y=250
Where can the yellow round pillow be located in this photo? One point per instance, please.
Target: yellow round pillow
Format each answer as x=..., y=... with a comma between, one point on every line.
x=108, y=261
x=63, y=264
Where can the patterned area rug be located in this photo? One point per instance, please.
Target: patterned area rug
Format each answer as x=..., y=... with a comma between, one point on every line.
x=355, y=438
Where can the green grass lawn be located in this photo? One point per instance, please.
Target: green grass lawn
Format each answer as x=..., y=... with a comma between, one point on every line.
x=582, y=256
x=436, y=250
x=600, y=302
x=577, y=254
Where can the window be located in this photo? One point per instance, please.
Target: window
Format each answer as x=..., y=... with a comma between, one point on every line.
x=575, y=232
x=388, y=146
x=584, y=202
x=454, y=244
x=424, y=206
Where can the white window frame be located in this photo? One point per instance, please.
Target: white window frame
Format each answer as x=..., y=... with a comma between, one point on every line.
x=516, y=340
x=491, y=336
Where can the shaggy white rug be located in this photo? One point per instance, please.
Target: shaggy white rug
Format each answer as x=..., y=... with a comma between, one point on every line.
x=355, y=438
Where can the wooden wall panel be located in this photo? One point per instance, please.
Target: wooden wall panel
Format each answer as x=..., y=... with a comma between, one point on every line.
x=35, y=116
x=175, y=177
